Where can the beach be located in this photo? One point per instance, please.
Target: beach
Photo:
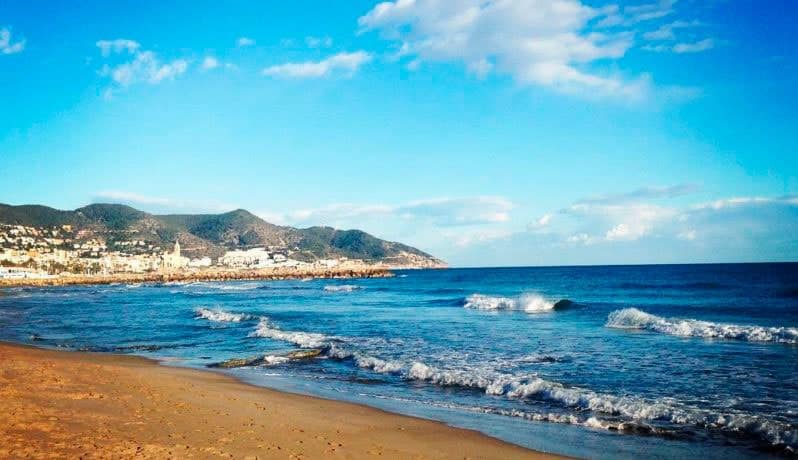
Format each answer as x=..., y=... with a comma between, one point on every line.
x=59, y=404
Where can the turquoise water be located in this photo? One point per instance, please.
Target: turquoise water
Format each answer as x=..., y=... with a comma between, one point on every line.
x=655, y=361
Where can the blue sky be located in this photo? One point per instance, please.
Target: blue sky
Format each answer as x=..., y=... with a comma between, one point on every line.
x=502, y=132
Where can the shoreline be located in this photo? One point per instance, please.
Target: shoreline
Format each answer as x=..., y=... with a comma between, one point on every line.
x=267, y=274
x=72, y=404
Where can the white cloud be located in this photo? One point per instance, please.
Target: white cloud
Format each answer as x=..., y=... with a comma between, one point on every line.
x=631, y=216
x=696, y=47
x=737, y=229
x=634, y=14
x=7, y=46
x=542, y=222
x=682, y=48
x=210, y=62
x=136, y=65
x=649, y=11
x=643, y=193
x=580, y=238
x=243, y=42
x=461, y=211
x=446, y=212
x=161, y=204
x=337, y=212
x=469, y=238
x=688, y=235
x=539, y=42
x=668, y=31
x=738, y=202
x=318, y=42
x=107, y=47
x=625, y=232
x=345, y=63
x=624, y=221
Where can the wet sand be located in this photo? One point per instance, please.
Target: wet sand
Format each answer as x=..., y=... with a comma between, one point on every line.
x=57, y=404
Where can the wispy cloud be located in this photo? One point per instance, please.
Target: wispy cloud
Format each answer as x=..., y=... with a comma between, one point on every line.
x=666, y=39
x=161, y=204
x=643, y=193
x=134, y=65
x=346, y=64
x=696, y=47
x=7, y=45
x=668, y=31
x=618, y=222
x=210, y=63
x=318, y=42
x=244, y=42
x=635, y=14
x=736, y=229
x=445, y=212
x=108, y=47
x=634, y=215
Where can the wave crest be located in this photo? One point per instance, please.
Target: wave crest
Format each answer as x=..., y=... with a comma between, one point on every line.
x=529, y=303
x=632, y=318
x=220, y=316
x=592, y=407
x=342, y=288
x=298, y=338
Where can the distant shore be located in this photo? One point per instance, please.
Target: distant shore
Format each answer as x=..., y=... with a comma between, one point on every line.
x=70, y=405
x=278, y=273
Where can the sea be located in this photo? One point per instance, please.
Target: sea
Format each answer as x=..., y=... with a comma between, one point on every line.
x=656, y=361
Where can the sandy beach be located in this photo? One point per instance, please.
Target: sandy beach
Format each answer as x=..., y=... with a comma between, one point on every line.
x=68, y=405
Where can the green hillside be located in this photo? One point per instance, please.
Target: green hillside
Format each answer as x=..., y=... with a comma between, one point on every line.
x=213, y=234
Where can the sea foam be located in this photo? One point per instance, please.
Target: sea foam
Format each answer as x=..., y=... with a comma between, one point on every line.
x=529, y=303
x=341, y=288
x=636, y=413
x=220, y=316
x=301, y=339
x=632, y=318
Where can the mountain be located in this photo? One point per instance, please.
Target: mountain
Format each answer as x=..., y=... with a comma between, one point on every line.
x=213, y=234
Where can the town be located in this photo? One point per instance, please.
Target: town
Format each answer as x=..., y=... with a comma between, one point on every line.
x=46, y=252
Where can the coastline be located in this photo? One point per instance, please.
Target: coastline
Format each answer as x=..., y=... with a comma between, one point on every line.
x=271, y=274
x=69, y=404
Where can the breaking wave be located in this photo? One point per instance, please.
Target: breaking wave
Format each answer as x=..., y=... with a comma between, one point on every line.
x=592, y=409
x=529, y=303
x=636, y=413
x=301, y=339
x=220, y=316
x=342, y=288
x=632, y=318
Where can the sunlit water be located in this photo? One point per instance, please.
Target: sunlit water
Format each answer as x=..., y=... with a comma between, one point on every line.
x=661, y=361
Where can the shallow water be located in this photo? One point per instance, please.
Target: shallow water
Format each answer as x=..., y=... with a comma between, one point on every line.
x=661, y=361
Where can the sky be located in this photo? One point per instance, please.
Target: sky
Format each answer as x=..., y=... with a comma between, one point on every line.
x=486, y=132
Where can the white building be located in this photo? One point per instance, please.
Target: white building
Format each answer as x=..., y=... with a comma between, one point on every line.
x=173, y=260
x=200, y=263
x=251, y=258
x=15, y=273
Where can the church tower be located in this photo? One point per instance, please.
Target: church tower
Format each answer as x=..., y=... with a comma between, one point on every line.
x=176, y=252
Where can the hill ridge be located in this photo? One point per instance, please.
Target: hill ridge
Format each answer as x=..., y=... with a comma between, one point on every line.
x=213, y=234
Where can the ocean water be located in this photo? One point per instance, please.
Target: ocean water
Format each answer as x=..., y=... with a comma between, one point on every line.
x=667, y=361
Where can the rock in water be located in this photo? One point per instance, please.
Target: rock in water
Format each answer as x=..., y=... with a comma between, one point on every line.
x=303, y=354
x=268, y=359
x=563, y=303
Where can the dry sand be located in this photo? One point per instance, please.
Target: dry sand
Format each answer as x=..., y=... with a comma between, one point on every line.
x=56, y=404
